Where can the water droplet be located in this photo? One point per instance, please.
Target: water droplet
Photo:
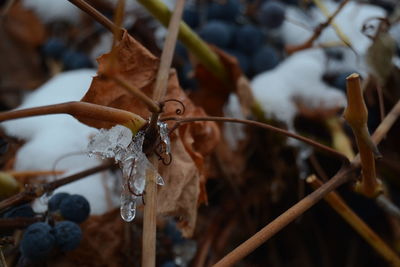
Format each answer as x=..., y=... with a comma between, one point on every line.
x=128, y=206
x=159, y=180
x=164, y=135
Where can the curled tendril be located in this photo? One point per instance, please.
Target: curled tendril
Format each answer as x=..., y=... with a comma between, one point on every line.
x=173, y=128
x=130, y=179
x=179, y=111
x=133, y=192
x=165, y=160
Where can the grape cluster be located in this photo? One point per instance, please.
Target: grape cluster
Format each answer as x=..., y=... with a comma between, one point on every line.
x=228, y=25
x=57, y=49
x=41, y=239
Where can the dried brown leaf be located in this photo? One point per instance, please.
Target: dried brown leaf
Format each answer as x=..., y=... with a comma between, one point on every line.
x=20, y=33
x=186, y=177
x=214, y=93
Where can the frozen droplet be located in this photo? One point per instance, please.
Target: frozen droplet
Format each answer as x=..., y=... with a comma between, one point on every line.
x=159, y=180
x=138, y=185
x=128, y=206
x=164, y=135
x=108, y=143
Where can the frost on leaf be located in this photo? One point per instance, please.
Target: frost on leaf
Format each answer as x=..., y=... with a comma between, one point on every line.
x=118, y=143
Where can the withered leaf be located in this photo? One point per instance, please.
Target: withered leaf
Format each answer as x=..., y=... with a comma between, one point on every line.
x=186, y=177
x=21, y=33
x=214, y=93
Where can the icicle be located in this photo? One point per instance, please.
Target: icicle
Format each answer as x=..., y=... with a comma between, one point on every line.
x=127, y=151
x=128, y=205
x=164, y=134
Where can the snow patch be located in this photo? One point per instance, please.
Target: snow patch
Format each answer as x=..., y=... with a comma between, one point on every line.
x=48, y=138
x=297, y=77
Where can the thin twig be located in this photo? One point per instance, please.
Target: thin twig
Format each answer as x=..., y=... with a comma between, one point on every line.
x=160, y=89
x=381, y=102
x=17, y=174
x=94, y=13
x=150, y=218
x=33, y=191
x=81, y=109
x=285, y=218
x=264, y=126
x=151, y=104
x=318, y=31
x=324, y=10
x=295, y=211
x=339, y=205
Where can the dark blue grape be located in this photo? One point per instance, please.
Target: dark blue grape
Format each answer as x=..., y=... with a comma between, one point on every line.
x=272, y=14
x=248, y=39
x=75, y=208
x=173, y=232
x=73, y=60
x=68, y=235
x=186, y=81
x=37, y=241
x=55, y=200
x=264, y=59
x=227, y=10
x=191, y=17
x=54, y=48
x=217, y=33
x=241, y=58
x=24, y=210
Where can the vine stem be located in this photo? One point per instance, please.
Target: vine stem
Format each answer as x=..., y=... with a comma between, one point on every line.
x=150, y=103
x=318, y=31
x=80, y=109
x=94, y=13
x=159, y=92
x=266, y=126
x=356, y=114
x=34, y=191
x=284, y=219
x=306, y=203
x=340, y=206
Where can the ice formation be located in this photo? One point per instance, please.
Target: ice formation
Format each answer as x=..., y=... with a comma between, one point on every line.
x=118, y=143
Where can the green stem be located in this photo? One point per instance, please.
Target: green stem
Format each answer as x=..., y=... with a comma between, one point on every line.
x=189, y=38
